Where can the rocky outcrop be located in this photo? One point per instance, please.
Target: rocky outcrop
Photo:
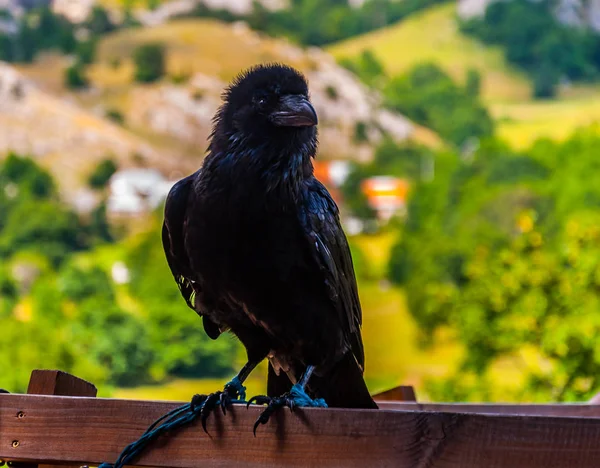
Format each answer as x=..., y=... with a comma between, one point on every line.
x=351, y=118
x=66, y=139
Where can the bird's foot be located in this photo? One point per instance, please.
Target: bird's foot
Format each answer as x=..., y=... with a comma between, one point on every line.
x=233, y=391
x=297, y=397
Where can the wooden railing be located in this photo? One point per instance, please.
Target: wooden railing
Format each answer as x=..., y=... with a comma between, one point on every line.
x=42, y=428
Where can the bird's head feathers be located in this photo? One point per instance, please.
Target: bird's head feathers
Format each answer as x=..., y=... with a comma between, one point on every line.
x=266, y=102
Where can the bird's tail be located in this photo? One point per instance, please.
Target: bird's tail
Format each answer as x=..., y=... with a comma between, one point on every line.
x=343, y=386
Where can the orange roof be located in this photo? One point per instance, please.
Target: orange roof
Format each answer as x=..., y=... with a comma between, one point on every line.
x=385, y=187
x=322, y=171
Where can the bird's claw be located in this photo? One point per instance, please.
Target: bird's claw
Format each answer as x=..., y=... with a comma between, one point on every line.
x=211, y=402
x=297, y=397
x=221, y=399
x=259, y=400
x=273, y=404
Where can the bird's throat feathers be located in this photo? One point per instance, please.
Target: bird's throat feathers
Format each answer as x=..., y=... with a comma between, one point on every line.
x=279, y=164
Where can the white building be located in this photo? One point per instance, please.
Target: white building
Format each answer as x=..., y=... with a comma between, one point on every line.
x=136, y=191
x=76, y=11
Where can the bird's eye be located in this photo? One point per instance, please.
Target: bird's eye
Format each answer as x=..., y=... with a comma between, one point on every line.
x=262, y=101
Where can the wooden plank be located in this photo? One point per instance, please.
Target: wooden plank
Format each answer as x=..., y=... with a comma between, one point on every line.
x=55, y=382
x=595, y=400
x=400, y=393
x=92, y=430
x=580, y=410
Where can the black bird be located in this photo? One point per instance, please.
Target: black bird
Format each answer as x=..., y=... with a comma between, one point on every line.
x=255, y=244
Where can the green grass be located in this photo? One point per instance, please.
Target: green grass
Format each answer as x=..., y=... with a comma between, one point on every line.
x=184, y=389
x=193, y=45
x=433, y=36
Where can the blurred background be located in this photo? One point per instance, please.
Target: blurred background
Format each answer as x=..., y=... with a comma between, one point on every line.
x=458, y=137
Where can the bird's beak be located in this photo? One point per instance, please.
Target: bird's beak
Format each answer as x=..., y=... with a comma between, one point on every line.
x=294, y=110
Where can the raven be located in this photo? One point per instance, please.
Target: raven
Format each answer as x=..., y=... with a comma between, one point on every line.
x=255, y=244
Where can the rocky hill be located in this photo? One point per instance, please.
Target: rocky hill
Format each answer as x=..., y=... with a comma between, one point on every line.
x=64, y=137
x=166, y=124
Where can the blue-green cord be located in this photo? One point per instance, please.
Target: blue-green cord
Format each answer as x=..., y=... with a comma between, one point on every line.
x=236, y=385
x=187, y=413
x=172, y=420
x=302, y=399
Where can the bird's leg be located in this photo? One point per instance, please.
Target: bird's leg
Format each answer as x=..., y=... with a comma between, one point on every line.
x=234, y=391
x=296, y=397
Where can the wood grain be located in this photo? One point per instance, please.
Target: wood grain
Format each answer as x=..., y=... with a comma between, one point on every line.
x=93, y=430
x=580, y=410
x=400, y=393
x=55, y=382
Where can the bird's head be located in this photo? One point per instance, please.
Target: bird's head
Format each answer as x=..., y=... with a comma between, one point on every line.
x=267, y=102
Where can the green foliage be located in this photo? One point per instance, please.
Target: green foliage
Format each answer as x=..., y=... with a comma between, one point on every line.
x=28, y=345
x=318, y=22
x=85, y=52
x=368, y=68
x=473, y=83
x=149, y=62
x=50, y=229
x=75, y=77
x=428, y=95
x=99, y=21
x=27, y=177
x=99, y=226
x=181, y=346
x=361, y=132
x=180, y=78
x=503, y=251
x=102, y=173
x=116, y=116
x=116, y=340
x=332, y=92
x=39, y=30
x=544, y=48
x=7, y=51
x=60, y=309
x=8, y=293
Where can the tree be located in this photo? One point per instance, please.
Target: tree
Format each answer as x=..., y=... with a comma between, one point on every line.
x=29, y=178
x=428, y=95
x=7, y=52
x=85, y=51
x=149, y=62
x=366, y=66
x=501, y=252
x=75, y=77
x=49, y=228
x=99, y=21
x=473, y=83
x=8, y=293
x=102, y=173
x=544, y=81
x=542, y=46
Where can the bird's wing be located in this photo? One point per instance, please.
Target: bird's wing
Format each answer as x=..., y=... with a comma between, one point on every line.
x=329, y=248
x=172, y=239
x=174, y=246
